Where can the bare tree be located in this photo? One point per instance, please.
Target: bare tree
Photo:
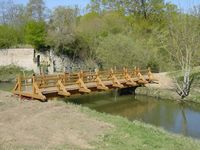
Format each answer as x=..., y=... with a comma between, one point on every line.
x=183, y=46
x=62, y=27
x=36, y=9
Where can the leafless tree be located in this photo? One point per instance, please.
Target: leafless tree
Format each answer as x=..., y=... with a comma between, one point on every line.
x=184, y=46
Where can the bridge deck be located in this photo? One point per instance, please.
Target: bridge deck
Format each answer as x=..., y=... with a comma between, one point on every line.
x=38, y=87
x=76, y=87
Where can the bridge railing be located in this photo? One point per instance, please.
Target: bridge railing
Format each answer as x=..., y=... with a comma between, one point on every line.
x=38, y=83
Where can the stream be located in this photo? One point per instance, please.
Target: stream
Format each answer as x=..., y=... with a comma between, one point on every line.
x=173, y=116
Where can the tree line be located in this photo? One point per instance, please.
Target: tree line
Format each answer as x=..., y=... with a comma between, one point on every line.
x=146, y=33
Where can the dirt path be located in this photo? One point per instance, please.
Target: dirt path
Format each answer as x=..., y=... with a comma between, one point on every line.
x=36, y=125
x=165, y=82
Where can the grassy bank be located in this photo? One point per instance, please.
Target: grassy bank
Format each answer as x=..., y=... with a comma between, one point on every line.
x=158, y=93
x=137, y=135
x=10, y=72
x=169, y=94
x=195, y=88
x=169, y=91
x=57, y=125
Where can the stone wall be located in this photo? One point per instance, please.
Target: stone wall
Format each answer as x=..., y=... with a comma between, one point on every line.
x=19, y=57
x=27, y=59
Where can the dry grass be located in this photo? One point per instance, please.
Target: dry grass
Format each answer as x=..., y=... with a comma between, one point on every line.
x=36, y=125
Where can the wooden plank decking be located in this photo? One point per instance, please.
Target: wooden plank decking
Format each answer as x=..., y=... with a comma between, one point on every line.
x=65, y=84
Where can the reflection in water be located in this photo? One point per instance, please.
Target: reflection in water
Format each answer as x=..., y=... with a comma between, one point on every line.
x=172, y=116
x=184, y=121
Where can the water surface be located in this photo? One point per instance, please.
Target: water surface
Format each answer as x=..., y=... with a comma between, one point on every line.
x=171, y=115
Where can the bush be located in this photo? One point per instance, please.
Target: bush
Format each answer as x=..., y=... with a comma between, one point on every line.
x=153, y=64
x=35, y=34
x=121, y=50
x=8, y=36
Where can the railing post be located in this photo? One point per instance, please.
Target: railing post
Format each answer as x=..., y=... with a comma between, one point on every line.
x=81, y=75
x=100, y=84
x=129, y=80
x=44, y=80
x=115, y=81
x=82, y=87
x=36, y=92
x=149, y=74
x=141, y=79
x=61, y=86
x=151, y=78
x=19, y=85
x=65, y=77
x=33, y=82
x=134, y=72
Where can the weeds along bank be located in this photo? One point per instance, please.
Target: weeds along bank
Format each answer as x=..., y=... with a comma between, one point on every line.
x=10, y=72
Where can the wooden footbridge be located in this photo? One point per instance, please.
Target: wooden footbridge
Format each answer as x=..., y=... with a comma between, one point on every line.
x=66, y=84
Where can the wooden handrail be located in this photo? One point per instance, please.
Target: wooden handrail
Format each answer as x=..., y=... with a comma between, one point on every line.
x=82, y=82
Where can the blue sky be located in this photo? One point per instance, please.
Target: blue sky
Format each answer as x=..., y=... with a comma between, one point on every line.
x=184, y=4
x=54, y=3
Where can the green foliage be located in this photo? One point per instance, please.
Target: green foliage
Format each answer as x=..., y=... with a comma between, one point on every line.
x=35, y=34
x=147, y=9
x=8, y=36
x=61, y=31
x=110, y=30
x=119, y=50
x=153, y=64
x=115, y=23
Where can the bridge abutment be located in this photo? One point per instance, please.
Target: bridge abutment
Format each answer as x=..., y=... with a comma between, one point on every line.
x=127, y=91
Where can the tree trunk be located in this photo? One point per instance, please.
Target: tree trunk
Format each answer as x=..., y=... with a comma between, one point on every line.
x=143, y=5
x=184, y=91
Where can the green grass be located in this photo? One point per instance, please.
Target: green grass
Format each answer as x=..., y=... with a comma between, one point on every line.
x=136, y=135
x=171, y=94
x=10, y=72
x=195, y=89
x=178, y=73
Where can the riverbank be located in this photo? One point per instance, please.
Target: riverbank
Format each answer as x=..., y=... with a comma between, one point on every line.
x=60, y=125
x=166, y=89
x=10, y=72
x=169, y=94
